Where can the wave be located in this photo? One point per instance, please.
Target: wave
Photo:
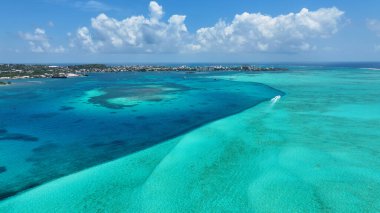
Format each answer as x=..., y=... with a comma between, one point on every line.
x=369, y=68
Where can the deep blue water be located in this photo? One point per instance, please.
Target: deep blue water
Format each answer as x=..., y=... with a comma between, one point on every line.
x=53, y=127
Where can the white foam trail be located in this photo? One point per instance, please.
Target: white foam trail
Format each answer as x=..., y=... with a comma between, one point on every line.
x=370, y=68
x=275, y=99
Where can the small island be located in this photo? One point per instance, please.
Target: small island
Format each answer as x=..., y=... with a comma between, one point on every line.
x=17, y=71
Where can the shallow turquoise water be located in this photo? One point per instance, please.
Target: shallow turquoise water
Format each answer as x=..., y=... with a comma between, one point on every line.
x=53, y=127
x=314, y=150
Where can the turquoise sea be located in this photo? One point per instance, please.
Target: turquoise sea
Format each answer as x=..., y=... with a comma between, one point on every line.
x=303, y=140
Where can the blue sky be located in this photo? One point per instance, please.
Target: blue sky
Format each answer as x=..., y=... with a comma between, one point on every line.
x=142, y=31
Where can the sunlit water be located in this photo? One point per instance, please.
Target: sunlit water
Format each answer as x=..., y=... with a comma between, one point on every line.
x=314, y=148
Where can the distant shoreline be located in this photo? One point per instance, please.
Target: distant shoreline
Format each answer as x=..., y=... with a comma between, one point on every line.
x=23, y=71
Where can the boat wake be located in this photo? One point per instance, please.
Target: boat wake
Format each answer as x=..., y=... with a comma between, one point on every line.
x=275, y=99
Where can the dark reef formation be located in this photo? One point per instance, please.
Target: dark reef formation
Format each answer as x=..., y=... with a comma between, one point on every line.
x=3, y=169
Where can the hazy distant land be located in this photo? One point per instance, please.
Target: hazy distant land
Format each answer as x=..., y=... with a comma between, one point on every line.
x=15, y=71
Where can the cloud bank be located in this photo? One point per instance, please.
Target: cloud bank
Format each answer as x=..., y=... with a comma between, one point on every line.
x=39, y=42
x=257, y=32
x=134, y=34
x=246, y=32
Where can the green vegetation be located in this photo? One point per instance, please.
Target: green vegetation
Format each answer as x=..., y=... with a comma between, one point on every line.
x=88, y=67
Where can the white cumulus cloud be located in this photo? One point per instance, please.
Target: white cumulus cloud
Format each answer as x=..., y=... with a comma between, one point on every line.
x=39, y=42
x=251, y=32
x=134, y=34
x=247, y=32
x=156, y=10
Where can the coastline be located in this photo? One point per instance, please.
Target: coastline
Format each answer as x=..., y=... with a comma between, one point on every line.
x=16, y=71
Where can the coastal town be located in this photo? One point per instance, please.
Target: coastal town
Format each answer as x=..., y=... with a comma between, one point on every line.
x=21, y=71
